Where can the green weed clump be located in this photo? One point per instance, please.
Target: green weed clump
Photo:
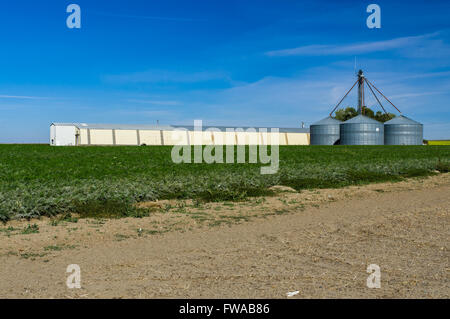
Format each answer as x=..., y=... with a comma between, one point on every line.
x=107, y=182
x=31, y=229
x=443, y=167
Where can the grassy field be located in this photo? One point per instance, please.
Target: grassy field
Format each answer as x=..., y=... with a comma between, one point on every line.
x=39, y=180
x=439, y=142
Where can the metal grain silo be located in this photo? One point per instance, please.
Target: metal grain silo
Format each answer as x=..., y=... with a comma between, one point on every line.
x=403, y=131
x=325, y=132
x=362, y=130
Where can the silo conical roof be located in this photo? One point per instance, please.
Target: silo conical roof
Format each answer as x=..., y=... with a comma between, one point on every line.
x=361, y=119
x=327, y=121
x=401, y=120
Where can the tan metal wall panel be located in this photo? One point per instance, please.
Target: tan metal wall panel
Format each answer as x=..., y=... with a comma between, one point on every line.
x=248, y=138
x=201, y=138
x=263, y=138
x=175, y=137
x=275, y=138
x=101, y=137
x=230, y=138
x=126, y=137
x=241, y=138
x=297, y=138
x=224, y=138
x=150, y=137
x=208, y=138
x=83, y=137
x=254, y=138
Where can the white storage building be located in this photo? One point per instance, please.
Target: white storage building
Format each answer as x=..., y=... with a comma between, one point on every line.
x=79, y=134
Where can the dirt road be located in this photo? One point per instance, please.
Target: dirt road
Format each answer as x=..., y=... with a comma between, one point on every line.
x=317, y=242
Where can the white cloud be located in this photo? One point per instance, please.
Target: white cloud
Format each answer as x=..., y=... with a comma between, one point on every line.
x=354, y=48
x=427, y=75
x=21, y=97
x=409, y=95
x=271, y=101
x=311, y=95
x=155, y=102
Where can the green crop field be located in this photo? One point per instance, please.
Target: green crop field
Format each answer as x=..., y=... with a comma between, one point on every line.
x=39, y=180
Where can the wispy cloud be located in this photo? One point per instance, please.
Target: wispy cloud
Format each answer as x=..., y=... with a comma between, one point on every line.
x=409, y=95
x=354, y=48
x=311, y=95
x=22, y=97
x=154, y=102
x=427, y=75
x=271, y=101
x=160, y=76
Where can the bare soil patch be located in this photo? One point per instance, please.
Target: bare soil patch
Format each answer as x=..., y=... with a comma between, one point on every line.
x=319, y=242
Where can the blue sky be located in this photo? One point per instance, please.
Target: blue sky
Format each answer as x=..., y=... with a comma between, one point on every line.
x=244, y=63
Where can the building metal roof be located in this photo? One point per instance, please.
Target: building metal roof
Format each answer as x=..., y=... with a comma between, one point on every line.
x=171, y=127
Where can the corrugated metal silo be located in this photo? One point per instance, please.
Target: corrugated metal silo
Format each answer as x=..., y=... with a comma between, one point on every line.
x=403, y=131
x=362, y=130
x=325, y=132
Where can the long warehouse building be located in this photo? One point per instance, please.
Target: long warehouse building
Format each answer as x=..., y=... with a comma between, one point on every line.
x=81, y=134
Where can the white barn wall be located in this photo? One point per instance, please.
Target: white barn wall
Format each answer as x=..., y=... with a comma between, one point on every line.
x=53, y=135
x=63, y=135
